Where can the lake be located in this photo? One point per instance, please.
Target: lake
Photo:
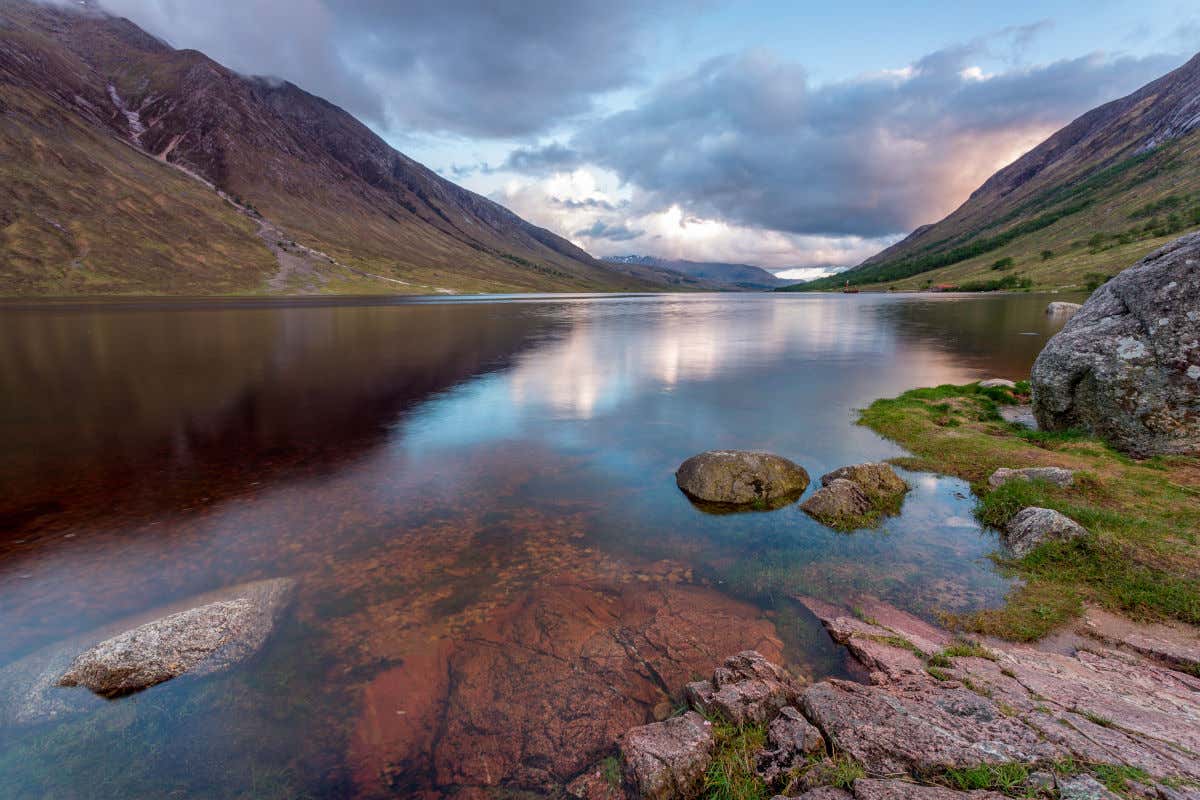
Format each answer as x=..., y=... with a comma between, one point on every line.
x=495, y=572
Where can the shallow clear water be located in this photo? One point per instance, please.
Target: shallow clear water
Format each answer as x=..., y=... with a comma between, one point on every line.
x=495, y=571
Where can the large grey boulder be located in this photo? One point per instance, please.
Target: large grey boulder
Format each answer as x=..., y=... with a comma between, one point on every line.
x=666, y=760
x=741, y=477
x=1127, y=365
x=197, y=641
x=1032, y=526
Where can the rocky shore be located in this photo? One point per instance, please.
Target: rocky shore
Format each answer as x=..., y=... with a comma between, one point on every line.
x=1105, y=710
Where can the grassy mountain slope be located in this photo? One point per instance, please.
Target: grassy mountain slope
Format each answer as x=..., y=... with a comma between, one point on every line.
x=72, y=80
x=1115, y=184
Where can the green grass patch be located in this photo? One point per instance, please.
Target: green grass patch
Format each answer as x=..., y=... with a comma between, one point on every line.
x=732, y=775
x=1007, y=778
x=1141, y=558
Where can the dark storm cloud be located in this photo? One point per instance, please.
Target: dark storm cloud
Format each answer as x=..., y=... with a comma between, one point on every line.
x=746, y=139
x=474, y=67
x=613, y=233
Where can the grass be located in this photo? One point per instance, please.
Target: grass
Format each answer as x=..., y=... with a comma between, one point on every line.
x=732, y=773
x=1141, y=559
x=610, y=770
x=1007, y=778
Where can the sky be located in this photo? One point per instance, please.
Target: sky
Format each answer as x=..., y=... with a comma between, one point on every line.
x=793, y=135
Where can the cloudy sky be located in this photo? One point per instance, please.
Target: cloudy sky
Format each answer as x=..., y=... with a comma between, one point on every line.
x=782, y=133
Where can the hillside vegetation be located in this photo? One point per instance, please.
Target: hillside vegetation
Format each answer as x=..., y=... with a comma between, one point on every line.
x=101, y=126
x=1114, y=185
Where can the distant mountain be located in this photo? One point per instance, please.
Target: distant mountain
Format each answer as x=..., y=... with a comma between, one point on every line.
x=1099, y=194
x=726, y=276
x=127, y=166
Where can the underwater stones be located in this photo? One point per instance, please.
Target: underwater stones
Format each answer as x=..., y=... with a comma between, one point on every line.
x=1057, y=475
x=1032, y=526
x=741, y=478
x=1127, y=365
x=856, y=495
x=747, y=688
x=197, y=641
x=666, y=760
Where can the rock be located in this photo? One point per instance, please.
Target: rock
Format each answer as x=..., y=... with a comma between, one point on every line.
x=1084, y=787
x=739, y=477
x=839, y=504
x=919, y=727
x=198, y=641
x=746, y=689
x=820, y=793
x=1127, y=364
x=537, y=691
x=997, y=383
x=1061, y=308
x=1032, y=526
x=791, y=739
x=1175, y=644
x=874, y=789
x=1056, y=475
x=594, y=784
x=792, y=732
x=666, y=760
x=1021, y=414
x=1040, y=781
x=878, y=481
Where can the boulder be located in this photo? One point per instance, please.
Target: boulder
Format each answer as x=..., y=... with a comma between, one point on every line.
x=878, y=481
x=746, y=689
x=1032, y=526
x=1056, y=475
x=198, y=641
x=1060, y=308
x=997, y=383
x=740, y=477
x=666, y=760
x=1127, y=364
x=840, y=504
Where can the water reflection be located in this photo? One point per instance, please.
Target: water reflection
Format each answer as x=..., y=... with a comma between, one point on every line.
x=477, y=502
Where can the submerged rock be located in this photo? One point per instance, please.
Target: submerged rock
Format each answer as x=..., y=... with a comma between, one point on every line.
x=1127, y=364
x=878, y=481
x=198, y=641
x=666, y=760
x=741, y=477
x=1032, y=526
x=746, y=689
x=1056, y=475
x=839, y=504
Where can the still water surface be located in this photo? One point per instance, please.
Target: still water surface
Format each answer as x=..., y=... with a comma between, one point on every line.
x=495, y=572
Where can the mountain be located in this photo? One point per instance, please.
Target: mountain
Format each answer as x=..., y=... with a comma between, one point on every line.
x=745, y=277
x=127, y=166
x=1115, y=184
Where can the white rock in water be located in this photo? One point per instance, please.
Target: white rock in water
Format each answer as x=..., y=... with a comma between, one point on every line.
x=198, y=641
x=997, y=383
x=1058, y=307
